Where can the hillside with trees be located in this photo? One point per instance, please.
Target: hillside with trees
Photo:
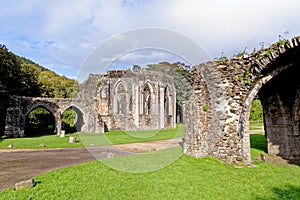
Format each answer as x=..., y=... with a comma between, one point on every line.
x=23, y=77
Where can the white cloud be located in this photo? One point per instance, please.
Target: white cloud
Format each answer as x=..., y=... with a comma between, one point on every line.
x=59, y=33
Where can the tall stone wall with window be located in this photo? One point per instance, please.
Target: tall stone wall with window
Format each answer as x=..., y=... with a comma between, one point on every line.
x=127, y=100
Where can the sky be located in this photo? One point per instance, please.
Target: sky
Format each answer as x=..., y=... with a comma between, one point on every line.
x=69, y=37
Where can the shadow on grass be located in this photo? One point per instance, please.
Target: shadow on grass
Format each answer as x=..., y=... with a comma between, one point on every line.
x=258, y=141
x=295, y=162
x=285, y=192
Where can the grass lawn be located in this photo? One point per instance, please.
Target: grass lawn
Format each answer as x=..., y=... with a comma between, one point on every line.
x=256, y=126
x=186, y=178
x=88, y=139
x=183, y=178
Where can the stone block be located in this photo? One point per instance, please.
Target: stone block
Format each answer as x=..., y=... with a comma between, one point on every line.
x=72, y=139
x=42, y=145
x=62, y=133
x=25, y=184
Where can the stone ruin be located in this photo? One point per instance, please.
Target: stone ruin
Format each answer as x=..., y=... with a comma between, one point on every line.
x=118, y=100
x=215, y=117
x=126, y=100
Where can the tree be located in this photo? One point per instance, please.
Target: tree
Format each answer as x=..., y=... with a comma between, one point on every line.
x=181, y=74
x=23, y=77
x=30, y=84
x=256, y=112
x=10, y=72
x=10, y=75
x=136, y=68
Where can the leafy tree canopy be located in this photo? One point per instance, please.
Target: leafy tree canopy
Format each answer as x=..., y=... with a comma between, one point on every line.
x=23, y=77
x=181, y=74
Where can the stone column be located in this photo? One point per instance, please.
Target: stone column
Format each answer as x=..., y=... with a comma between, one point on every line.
x=57, y=117
x=246, y=140
x=174, y=108
x=12, y=123
x=155, y=103
x=135, y=107
x=161, y=108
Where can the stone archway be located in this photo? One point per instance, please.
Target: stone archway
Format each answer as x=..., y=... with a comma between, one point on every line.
x=79, y=120
x=43, y=119
x=232, y=84
x=51, y=108
x=280, y=113
x=20, y=107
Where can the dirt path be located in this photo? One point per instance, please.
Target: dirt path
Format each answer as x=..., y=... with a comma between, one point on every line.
x=18, y=165
x=259, y=129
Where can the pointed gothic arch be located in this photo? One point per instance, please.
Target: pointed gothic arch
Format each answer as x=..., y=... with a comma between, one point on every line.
x=120, y=98
x=166, y=101
x=147, y=98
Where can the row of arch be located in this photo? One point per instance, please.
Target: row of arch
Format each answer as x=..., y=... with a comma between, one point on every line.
x=44, y=119
x=147, y=98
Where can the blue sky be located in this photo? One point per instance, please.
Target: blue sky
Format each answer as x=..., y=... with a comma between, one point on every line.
x=61, y=34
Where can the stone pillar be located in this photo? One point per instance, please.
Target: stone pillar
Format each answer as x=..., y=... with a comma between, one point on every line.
x=12, y=124
x=135, y=107
x=161, y=108
x=246, y=140
x=57, y=117
x=174, y=108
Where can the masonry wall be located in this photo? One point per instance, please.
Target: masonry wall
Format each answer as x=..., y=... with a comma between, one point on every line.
x=222, y=93
x=120, y=99
x=20, y=107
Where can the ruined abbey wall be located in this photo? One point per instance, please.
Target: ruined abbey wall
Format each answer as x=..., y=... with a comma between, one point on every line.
x=216, y=118
x=126, y=100
x=118, y=100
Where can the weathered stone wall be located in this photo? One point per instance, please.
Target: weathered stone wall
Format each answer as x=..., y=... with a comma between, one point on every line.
x=20, y=107
x=125, y=108
x=223, y=92
x=118, y=100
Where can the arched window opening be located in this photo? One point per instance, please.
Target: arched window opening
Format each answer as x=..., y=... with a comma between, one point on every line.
x=72, y=120
x=68, y=119
x=166, y=101
x=120, y=99
x=147, y=100
x=39, y=121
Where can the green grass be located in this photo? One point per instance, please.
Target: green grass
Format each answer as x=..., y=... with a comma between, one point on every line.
x=257, y=124
x=186, y=178
x=88, y=139
x=51, y=141
x=258, y=145
x=254, y=128
x=177, y=177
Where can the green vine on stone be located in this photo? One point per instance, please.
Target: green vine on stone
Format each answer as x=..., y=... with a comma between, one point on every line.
x=248, y=81
x=99, y=84
x=248, y=73
x=240, y=54
x=281, y=42
x=205, y=108
x=268, y=53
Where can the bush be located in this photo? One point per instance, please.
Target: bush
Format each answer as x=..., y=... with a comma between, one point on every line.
x=256, y=112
